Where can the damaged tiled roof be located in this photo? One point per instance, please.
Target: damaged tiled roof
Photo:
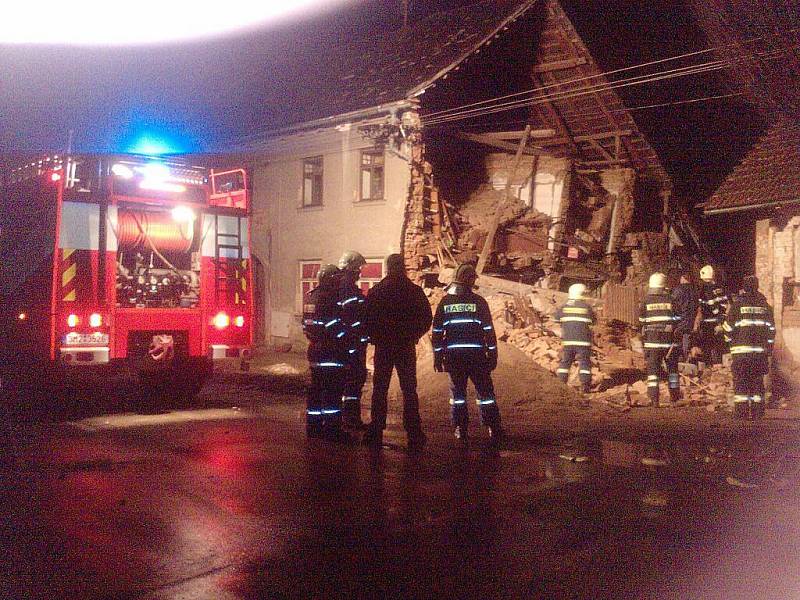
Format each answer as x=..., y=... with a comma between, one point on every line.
x=768, y=175
x=380, y=70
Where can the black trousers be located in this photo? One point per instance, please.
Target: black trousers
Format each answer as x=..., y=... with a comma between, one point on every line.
x=402, y=357
x=712, y=344
x=655, y=371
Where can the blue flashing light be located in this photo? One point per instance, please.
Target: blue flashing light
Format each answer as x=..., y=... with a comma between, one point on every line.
x=151, y=146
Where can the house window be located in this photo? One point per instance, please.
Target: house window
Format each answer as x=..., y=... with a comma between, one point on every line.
x=372, y=175
x=312, y=181
x=308, y=277
x=371, y=273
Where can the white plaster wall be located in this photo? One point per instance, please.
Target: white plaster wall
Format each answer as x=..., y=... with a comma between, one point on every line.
x=284, y=233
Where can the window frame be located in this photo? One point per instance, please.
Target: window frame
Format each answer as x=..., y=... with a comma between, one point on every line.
x=314, y=177
x=374, y=152
x=312, y=280
x=370, y=282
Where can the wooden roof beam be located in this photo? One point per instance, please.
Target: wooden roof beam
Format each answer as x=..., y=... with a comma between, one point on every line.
x=495, y=143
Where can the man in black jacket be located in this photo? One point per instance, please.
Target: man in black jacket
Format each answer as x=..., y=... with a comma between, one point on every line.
x=685, y=303
x=397, y=316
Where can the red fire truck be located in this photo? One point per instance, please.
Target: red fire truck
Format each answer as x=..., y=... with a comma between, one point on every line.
x=105, y=258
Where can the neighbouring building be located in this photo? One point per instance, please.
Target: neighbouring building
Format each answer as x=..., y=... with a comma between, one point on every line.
x=400, y=144
x=756, y=216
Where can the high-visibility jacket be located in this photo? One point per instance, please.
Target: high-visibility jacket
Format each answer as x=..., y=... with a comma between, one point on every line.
x=323, y=326
x=576, y=318
x=463, y=330
x=352, y=304
x=749, y=326
x=713, y=303
x=658, y=319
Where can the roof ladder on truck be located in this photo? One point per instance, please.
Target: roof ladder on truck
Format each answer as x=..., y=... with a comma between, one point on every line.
x=230, y=246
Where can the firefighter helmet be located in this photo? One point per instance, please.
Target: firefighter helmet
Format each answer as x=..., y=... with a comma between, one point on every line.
x=351, y=261
x=576, y=291
x=326, y=273
x=657, y=281
x=465, y=275
x=707, y=273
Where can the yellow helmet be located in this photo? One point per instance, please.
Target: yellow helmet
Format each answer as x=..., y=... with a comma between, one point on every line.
x=657, y=281
x=576, y=291
x=707, y=273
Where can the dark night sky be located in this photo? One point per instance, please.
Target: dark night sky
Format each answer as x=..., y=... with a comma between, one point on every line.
x=197, y=96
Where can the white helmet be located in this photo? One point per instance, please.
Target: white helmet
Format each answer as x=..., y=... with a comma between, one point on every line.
x=576, y=291
x=707, y=273
x=657, y=281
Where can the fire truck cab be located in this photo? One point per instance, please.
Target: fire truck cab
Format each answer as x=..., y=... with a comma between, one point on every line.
x=111, y=258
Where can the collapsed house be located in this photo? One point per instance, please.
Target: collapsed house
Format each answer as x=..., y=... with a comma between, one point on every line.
x=756, y=212
x=486, y=134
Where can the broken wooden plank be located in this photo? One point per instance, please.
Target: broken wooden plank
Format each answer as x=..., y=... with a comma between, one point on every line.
x=495, y=143
x=489, y=243
x=559, y=65
x=516, y=135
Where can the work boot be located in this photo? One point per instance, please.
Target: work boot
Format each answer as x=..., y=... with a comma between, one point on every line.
x=674, y=396
x=416, y=441
x=740, y=410
x=461, y=434
x=373, y=437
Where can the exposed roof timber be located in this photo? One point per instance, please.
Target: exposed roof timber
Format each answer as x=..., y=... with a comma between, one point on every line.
x=517, y=135
x=603, y=163
x=594, y=144
x=521, y=10
x=559, y=65
x=495, y=143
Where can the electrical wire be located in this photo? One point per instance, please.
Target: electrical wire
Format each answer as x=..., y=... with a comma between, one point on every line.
x=570, y=94
x=577, y=80
x=459, y=113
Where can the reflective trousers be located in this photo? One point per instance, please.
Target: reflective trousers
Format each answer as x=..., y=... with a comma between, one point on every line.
x=355, y=378
x=460, y=375
x=748, y=372
x=402, y=357
x=324, y=397
x=569, y=354
x=657, y=359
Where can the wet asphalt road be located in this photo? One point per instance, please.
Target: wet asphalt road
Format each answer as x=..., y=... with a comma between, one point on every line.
x=223, y=504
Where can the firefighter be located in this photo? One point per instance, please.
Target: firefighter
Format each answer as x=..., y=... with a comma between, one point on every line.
x=749, y=327
x=576, y=318
x=658, y=320
x=352, y=302
x=327, y=356
x=398, y=315
x=713, y=306
x=685, y=303
x=464, y=345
